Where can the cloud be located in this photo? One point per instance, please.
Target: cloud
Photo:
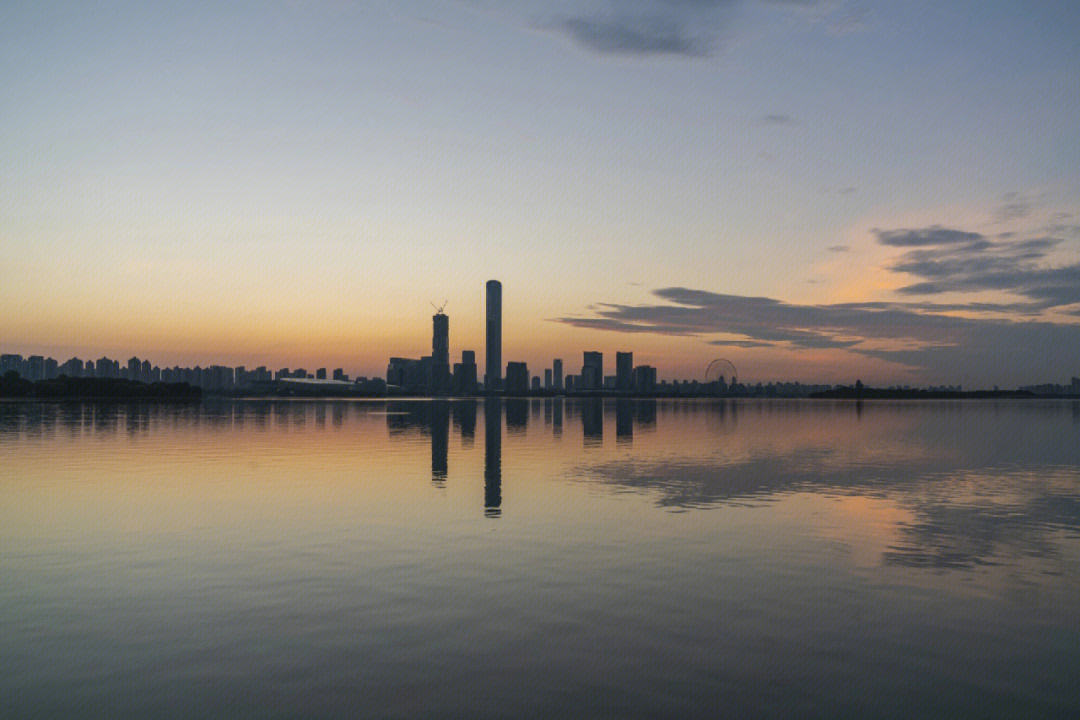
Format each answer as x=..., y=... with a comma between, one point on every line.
x=1027, y=336
x=642, y=36
x=1013, y=206
x=741, y=343
x=947, y=260
x=933, y=235
x=643, y=28
x=686, y=28
x=921, y=336
x=777, y=119
x=852, y=22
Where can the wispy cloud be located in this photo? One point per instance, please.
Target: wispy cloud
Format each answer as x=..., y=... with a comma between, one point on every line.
x=681, y=28
x=918, y=335
x=934, y=235
x=777, y=119
x=644, y=28
x=637, y=36
x=1014, y=206
x=947, y=260
x=958, y=338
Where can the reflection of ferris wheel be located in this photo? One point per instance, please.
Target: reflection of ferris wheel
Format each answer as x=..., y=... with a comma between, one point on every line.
x=721, y=369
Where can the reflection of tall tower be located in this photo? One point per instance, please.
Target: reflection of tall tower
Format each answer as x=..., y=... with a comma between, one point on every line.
x=440, y=440
x=493, y=368
x=492, y=458
x=440, y=353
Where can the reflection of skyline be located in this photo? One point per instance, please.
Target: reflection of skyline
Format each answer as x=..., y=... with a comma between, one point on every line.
x=966, y=487
x=464, y=414
x=624, y=421
x=592, y=422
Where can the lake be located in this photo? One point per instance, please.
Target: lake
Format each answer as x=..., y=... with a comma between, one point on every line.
x=540, y=558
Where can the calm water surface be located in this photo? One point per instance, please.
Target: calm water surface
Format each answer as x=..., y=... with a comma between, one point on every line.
x=540, y=558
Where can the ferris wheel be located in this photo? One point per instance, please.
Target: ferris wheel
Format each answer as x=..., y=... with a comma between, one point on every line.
x=721, y=369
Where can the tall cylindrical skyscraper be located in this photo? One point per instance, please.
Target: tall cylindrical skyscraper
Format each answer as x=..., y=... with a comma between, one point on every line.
x=440, y=354
x=493, y=368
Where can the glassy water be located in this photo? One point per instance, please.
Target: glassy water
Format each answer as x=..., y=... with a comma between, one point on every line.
x=540, y=558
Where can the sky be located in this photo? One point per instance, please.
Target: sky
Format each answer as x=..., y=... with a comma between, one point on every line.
x=816, y=190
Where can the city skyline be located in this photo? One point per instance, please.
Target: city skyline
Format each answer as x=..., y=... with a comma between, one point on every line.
x=434, y=375
x=820, y=190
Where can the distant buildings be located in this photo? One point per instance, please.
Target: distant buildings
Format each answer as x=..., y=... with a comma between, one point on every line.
x=432, y=374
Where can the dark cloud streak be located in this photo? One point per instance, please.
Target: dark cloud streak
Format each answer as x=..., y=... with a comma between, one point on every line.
x=650, y=28
x=947, y=260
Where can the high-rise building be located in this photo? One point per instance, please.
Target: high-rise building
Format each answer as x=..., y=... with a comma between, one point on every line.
x=547, y=378
x=11, y=363
x=645, y=379
x=35, y=367
x=592, y=371
x=440, y=354
x=517, y=378
x=465, y=374
x=73, y=368
x=493, y=366
x=624, y=371
x=557, y=374
x=107, y=368
x=397, y=372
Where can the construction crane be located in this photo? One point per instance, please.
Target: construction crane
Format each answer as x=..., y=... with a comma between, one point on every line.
x=439, y=308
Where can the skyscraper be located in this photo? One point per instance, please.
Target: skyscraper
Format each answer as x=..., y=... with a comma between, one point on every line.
x=440, y=354
x=624, y=371
x=517, y=378
x=557, y=374
x=592, y=371
x=465, y=374
x=493, y=368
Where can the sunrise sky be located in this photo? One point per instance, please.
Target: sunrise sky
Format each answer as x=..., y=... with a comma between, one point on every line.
x=817, y=190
